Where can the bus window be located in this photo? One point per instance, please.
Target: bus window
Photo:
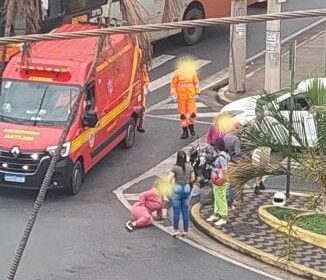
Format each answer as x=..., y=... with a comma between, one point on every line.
x=55, y=8
x=77, y=5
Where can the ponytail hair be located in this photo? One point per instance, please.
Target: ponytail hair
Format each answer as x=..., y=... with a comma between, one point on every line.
x=181, y=160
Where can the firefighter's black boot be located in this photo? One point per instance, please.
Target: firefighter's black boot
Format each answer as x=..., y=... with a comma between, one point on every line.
x=141, y=129
x=192, y=129
x=184, y=133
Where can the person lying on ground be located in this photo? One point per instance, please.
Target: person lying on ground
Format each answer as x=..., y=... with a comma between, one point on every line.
x=142, y=211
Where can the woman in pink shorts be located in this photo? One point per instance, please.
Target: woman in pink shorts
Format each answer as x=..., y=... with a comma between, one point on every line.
x=142, y=211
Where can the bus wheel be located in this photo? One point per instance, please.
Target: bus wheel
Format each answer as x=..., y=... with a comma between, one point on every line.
x=191, y=36
x=131, y=133
x=76, y=181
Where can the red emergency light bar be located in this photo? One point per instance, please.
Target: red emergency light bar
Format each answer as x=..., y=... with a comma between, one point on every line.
x=43, y=67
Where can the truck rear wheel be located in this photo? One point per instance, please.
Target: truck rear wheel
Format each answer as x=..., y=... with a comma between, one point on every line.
x=131, y=133
x=76, y=180
x=192, y=36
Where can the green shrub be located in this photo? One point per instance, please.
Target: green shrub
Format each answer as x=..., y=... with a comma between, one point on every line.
x=283, y=214
x=315, y=223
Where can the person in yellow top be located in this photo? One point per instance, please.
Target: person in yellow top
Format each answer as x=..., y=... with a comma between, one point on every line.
x=185, y=87
x=145, y=82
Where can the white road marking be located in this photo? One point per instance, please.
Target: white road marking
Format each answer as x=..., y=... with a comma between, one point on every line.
x=205, y=84
x=199, y=115
x=166, y=79
x=163, y=168
x=160, y=60
x=224, y=73
x=176, y=119
x=170, y=106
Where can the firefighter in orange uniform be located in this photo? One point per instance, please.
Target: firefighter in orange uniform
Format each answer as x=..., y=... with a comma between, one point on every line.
x=185, y=87
x=146, y=82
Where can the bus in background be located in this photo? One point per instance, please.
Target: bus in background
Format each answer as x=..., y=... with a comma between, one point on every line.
x=53, y=13
x=191, y=9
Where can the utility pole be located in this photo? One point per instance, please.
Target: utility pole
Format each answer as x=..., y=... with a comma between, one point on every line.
x=238, y=41
x=273, y=48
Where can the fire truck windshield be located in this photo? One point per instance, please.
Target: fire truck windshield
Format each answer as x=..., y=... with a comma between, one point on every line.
x=36, y=103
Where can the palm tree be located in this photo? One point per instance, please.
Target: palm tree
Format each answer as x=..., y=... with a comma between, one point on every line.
x=271, y=129
x=13, y=10
x=171, y=10
x=131, y=11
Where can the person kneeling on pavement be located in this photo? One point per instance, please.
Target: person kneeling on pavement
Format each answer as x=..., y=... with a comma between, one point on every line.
x=142, y=211
x=220, y=185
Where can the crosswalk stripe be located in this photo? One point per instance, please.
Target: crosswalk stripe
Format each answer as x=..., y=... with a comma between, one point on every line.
x=205, y=84
x=160, y=60
x=175, y=106
x=199, y=115
x=176, y=119
x=166, y=79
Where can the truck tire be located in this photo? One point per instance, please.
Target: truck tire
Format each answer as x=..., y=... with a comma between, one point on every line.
x=77, y=177
x=131, y=133
x=192, y=36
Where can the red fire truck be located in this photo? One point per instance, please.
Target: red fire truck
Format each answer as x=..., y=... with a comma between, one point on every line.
x=36, y=99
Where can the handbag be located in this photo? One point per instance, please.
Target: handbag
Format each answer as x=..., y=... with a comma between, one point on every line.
x=217, y=177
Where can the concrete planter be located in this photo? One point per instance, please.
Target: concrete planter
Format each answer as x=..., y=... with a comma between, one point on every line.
x=297, y=232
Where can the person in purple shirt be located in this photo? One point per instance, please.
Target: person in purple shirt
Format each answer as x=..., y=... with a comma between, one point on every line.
x=213, y=135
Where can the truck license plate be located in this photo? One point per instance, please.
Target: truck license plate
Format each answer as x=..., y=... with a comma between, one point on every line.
x=15, y=178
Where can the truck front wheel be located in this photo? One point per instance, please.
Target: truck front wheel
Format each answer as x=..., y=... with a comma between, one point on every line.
x=191, y=36
x=131, y=133
x=76, y=180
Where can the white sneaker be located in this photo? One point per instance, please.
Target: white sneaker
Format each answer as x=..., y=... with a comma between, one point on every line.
x=212, y=218
x=220, y=222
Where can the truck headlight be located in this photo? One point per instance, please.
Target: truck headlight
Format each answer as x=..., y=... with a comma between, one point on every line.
x=64, y=151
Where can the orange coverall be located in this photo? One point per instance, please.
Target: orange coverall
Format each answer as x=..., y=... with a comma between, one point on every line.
x=185, y=87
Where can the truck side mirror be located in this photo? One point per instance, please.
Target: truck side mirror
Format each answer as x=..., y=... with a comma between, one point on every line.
x=90, y=119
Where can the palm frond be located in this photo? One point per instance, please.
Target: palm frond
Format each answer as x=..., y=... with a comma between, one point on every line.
x=312, y=166
x=272, y=127
x=244, y=170
x=23, y=9
x=316, y=95
x=27, y=10
x=132, y=13
x=171, y=10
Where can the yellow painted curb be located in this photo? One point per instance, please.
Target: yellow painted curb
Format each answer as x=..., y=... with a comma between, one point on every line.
x=247, y=249
x=297, y=232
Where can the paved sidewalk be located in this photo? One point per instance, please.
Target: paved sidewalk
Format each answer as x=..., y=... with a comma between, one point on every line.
x=311, y=62
x=244, y=225
x=246, y=233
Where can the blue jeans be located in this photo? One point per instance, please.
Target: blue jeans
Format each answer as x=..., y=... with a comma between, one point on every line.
x=180, y=204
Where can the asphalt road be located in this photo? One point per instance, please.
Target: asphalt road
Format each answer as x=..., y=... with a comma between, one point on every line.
x=83, y=237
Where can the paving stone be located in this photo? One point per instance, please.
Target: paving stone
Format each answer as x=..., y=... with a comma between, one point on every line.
x=244, y=225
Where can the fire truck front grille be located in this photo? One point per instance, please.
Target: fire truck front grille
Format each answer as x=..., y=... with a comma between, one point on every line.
x=25, y=162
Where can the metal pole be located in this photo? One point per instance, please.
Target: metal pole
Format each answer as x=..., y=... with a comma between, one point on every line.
x=292, y=63
x=273, y=49
x=237, y=61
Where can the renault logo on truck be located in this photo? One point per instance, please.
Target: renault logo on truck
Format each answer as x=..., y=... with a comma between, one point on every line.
x=15, y=152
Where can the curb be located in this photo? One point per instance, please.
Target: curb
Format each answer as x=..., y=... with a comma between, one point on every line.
x=249, y=250
x=297, y=232
x=221, y=98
